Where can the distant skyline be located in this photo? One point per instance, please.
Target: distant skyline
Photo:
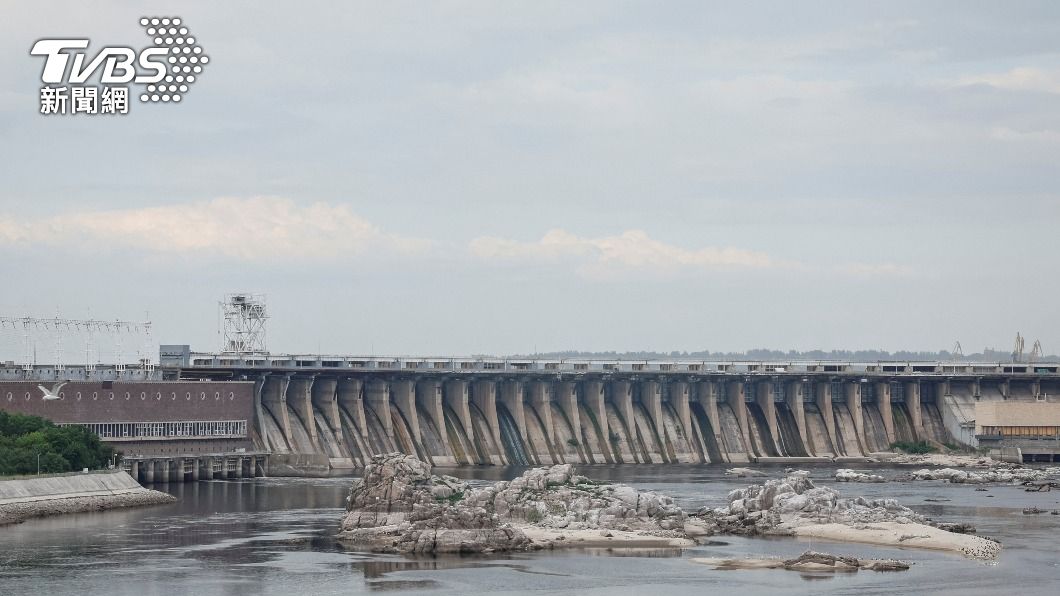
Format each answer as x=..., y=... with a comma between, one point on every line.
x=468, y=177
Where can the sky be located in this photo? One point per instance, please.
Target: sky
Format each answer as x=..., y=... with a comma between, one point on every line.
x=510, y=177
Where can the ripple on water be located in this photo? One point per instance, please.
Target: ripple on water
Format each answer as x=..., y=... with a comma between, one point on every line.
x=275, y=536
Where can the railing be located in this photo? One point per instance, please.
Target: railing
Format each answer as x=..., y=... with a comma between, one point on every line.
x=435, y=363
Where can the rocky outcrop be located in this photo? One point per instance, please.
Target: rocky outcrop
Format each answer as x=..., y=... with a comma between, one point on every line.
x=779, y=505
x=844, y=475
x=399, y=506
x=794, y=506
x=1006, y=476
x=556, y=497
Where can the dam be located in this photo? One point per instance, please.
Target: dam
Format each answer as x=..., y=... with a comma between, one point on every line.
x=329, y=413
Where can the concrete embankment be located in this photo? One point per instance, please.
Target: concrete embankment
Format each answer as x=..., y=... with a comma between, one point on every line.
x=24, y=498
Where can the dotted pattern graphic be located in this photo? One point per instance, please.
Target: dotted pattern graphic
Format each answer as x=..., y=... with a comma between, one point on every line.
x=186, y=58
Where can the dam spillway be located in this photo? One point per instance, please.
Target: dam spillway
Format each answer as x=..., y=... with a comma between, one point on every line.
x=325, y=414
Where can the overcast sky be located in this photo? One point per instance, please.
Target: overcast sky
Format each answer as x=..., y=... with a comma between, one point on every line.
x=484, y=177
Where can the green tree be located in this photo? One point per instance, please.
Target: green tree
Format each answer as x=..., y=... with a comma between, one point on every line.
x=25, y=439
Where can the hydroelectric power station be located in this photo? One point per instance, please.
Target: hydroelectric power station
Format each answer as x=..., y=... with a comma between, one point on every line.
x=244, y=411
x=335, y=412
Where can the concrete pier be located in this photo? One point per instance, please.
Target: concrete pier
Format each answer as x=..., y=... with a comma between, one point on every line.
x=764, y=400
x=455, y=396
x=824, y=404
x=853, y=391
x=403, y=396
x=484, y=397
x=377, y=399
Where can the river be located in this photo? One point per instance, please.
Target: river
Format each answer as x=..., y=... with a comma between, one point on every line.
x=273, y=536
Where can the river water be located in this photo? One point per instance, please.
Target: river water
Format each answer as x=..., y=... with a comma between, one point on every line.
x=273, y=536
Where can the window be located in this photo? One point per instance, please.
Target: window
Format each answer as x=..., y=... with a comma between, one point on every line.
x=168, y=430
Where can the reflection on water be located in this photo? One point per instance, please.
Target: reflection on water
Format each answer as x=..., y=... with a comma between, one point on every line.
x=274, y=536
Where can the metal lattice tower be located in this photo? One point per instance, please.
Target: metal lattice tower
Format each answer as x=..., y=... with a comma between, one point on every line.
x=54, y=334
x=244, y=317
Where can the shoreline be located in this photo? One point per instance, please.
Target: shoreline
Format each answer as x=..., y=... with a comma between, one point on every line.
x=22, y=499
x=552, y=538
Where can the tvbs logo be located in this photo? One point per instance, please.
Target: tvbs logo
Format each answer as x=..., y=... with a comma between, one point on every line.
x=166, y=70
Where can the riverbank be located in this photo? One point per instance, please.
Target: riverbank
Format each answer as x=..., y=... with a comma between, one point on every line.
x=25, y=498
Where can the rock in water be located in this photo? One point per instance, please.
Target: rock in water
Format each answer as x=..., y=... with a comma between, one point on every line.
x=814, y=561
x=794, y=506
x=844, y=475
x=399, y=506
x=808, y=562
x=1015, y=475
x=744, y=472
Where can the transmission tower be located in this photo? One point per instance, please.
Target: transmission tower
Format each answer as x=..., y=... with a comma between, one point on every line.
x=244, y=317
x=61, y=332
x=1017, y=349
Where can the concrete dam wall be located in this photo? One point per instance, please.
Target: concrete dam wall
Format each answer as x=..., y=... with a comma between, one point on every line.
x=343, y=421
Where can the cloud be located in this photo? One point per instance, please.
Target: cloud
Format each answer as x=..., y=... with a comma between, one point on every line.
x=1004, y=133
x=1019, y=79
x=633, y=249
x=246, y=229
x=874, y=269
x=634, y=252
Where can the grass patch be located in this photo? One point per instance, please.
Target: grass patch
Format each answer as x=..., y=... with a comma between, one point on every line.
x=453, y=498
x=914, y=447
x=534, y=516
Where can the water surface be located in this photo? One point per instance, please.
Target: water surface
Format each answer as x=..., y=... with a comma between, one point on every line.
x=274, y=536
